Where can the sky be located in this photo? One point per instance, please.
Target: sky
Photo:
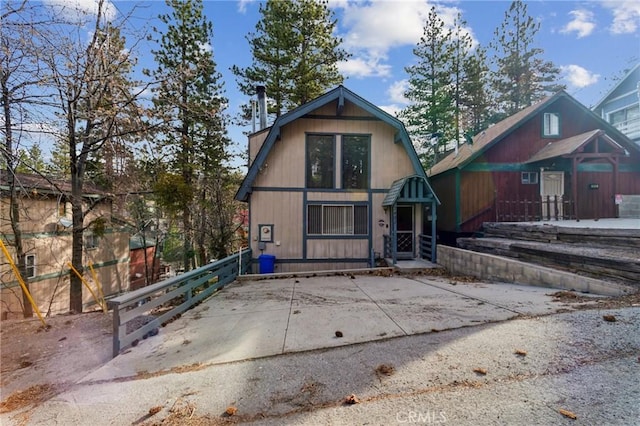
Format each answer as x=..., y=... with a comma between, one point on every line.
x=592, y=42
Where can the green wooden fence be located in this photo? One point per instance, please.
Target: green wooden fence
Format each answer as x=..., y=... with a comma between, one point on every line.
x=169, y=298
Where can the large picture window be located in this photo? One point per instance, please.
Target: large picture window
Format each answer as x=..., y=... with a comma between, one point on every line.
x=320, y=161
x=355, y=161
x=325, y=219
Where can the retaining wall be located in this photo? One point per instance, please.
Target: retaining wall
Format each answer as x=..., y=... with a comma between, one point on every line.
x=497, y=268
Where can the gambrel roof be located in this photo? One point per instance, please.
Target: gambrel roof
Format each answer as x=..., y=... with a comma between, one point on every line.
x=494, y=134
x=341, y=94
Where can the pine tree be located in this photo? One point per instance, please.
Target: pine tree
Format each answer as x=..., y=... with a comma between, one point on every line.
x=189, y=105
x=521, y=77
x=32, y=161
x=476, y=100
x=461, y=52
x=295, y=53
x=430, y=117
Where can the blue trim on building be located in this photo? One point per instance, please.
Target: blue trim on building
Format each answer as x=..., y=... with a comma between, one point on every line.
x=304, y=225
x=327, y=260
x=370, y=226
x=339, y=237
x=338, y=93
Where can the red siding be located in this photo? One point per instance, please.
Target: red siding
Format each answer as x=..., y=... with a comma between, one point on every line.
x=484, y=195
x=595, y=203
x=137, y=268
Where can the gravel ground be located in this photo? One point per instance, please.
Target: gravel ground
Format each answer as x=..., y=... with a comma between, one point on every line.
x=577, y=362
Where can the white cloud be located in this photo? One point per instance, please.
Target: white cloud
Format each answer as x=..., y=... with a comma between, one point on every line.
x=582, y=23
x=371, y=29
x=391, y=109
x=364, y=67
x=396, y=92
x=74, y=9
x=578, y=77
x=626, y=15
x=379, y=26
x=242, y=6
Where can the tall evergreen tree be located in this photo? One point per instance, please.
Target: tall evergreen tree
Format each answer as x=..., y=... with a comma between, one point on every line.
x=521, y=76
x=476, y=102
x=188, y=101
x=32, y=161
x=430, y=116
x=295, y=53
x=462, y=43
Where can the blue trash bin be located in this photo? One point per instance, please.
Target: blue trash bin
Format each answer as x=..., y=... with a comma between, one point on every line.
x=267, y=263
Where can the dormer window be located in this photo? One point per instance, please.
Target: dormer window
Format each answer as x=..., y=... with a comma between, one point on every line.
x=551, y=124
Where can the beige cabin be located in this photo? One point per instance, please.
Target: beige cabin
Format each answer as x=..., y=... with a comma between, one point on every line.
x=336, y=184
x=45, y=222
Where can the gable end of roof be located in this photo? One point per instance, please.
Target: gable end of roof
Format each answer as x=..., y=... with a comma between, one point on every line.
x=341, y=94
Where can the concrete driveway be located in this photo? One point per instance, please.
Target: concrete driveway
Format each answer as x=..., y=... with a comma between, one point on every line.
x=253, y=319
x=269, y=349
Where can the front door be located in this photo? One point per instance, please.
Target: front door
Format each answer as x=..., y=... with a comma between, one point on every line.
x=552, y=194
x=404, y=247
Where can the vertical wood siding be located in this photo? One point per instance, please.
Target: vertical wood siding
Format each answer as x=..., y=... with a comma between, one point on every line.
x=285, y=168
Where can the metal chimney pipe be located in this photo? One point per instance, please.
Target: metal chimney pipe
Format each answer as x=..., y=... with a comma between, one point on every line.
x=262, y=106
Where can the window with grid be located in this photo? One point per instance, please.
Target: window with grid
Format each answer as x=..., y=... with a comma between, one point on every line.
x=337, y=220
x=91, y=241
x=30, y=265
x=529, y=178
x=551, y=124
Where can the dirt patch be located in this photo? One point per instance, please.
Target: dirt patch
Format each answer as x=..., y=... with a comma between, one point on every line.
x=588, y=302
x=38, y=362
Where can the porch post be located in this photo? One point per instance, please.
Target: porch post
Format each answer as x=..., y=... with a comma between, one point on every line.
x=574, y=186
x=434, y=248
x=614, y=160
x=394, y=234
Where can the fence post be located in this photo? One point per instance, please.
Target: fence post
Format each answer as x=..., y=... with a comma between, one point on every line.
x=116, y=331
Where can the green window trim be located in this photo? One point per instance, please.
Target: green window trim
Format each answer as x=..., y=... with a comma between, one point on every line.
x=348, y=168
x=529, y=178
x=551, y=125
x=356, y=161
x=320, y=152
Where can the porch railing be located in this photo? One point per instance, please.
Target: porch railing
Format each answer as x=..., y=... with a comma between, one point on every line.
x=630, y=128
x=387, y=251
x=170, y=298
x=426, y=249
x=550, y=207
